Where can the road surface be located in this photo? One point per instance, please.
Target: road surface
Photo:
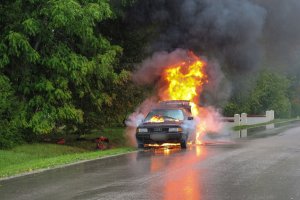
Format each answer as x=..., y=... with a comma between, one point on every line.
x=265, y=165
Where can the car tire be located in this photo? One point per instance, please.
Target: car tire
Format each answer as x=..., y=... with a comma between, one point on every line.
x=140, y=145
x=183, y=144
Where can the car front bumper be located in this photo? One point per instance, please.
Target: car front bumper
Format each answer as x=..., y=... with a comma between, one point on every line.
x=161, y=137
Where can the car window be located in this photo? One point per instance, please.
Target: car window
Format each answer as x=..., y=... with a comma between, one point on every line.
x=162, y=115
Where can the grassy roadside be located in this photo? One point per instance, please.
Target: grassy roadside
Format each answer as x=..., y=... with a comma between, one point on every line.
x=30, y=157
x=276, y=121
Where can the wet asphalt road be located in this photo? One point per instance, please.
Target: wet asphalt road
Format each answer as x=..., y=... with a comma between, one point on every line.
x=265, y=165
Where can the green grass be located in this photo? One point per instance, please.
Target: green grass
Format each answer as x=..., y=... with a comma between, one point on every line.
x=276, y=121
x=30, y=157
x=116, y=136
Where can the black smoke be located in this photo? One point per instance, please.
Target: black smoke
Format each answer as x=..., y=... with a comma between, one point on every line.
x=281, y=36
x=228, y=30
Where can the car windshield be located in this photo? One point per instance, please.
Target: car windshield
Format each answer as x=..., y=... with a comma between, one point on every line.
x=162, y=115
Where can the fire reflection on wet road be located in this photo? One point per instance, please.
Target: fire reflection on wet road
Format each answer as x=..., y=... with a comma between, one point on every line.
x=185, y=185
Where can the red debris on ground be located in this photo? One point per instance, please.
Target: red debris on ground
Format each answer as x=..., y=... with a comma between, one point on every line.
x=102, y=143
x=61, y=141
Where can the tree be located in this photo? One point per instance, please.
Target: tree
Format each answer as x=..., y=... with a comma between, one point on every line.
x=58, y=65
x=294, y=94
x=9, y=109
x=271, y=92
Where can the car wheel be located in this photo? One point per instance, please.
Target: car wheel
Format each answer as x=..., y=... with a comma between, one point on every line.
x=183, y=144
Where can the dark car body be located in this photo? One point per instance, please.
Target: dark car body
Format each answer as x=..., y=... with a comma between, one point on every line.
x=171, y=130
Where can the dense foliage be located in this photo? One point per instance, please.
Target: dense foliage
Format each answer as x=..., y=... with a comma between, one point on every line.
x=9, y=120
x=271, y=92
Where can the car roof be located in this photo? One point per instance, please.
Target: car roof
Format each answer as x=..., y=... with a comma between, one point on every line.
x=175, y=104
x=167, y=108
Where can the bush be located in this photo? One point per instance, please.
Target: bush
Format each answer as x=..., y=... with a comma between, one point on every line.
x=230, y=109
x=9, y=135
x=9, y=131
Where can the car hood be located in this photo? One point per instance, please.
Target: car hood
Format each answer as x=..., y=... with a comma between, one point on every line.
x=162, y=124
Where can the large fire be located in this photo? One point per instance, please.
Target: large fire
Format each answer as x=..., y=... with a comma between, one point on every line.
x=185, y=81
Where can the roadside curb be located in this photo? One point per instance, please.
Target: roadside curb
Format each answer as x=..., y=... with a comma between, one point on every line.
x=37, y=171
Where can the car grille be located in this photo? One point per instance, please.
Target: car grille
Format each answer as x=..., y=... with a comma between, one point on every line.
x=143, y=136
x=158, y=129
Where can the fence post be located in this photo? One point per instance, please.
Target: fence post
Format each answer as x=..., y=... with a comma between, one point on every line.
x=272, y=114
x=244, y=119
x=237, y=119
x=268, y=115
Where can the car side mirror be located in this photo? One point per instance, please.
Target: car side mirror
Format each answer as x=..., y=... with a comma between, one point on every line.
x=190, y=118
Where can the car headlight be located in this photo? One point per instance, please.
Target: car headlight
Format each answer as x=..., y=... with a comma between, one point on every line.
x=178, y=129
x=142, y=130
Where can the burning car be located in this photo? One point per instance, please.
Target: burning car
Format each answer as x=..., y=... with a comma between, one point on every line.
x=165, y=124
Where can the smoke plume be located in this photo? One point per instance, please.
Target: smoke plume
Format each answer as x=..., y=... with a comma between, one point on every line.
x=149, y=71
x=281, y=36
x=137, y=117
x=227, y=30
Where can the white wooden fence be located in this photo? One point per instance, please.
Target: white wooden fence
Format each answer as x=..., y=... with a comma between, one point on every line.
x=244, y=119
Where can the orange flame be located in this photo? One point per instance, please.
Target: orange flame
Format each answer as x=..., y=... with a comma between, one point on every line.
x=185, y=81
x=156, y=119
